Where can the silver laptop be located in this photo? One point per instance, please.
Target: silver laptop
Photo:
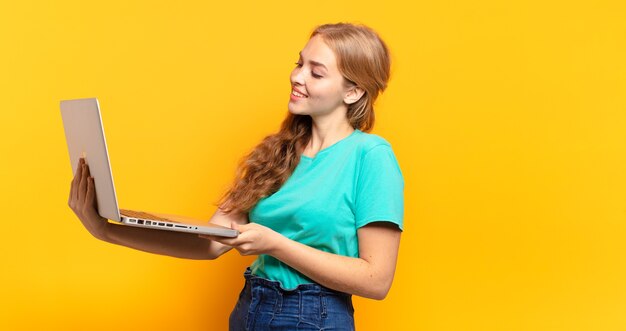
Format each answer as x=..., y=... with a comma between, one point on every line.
x=84, y=134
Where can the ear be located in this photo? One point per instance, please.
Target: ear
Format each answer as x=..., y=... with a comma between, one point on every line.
x=353, y=95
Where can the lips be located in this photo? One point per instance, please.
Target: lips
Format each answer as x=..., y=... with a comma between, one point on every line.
x=299, y=93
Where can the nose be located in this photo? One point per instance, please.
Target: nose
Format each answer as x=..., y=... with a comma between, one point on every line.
x=297, y=77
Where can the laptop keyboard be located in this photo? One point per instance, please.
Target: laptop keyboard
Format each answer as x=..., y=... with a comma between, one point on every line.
x=140, y=214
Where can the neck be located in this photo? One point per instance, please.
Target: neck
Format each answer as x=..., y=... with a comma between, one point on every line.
x=325, y=134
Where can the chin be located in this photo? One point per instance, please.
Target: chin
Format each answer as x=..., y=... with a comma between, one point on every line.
x=296, y=111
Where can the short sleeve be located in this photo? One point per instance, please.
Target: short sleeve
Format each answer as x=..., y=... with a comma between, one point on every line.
x=380, y=188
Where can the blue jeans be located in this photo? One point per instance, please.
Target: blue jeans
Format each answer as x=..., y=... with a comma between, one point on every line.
x=264, y=305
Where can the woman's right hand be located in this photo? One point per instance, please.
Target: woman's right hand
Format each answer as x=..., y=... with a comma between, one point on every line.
x=83, y=203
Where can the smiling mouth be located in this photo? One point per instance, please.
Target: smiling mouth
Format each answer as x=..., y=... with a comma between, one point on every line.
x=298, y=94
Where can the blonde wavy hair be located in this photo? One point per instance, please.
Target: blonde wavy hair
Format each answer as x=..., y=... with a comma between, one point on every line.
x=364, y=61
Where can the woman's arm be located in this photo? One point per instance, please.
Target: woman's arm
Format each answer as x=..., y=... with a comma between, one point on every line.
x=82, y=201
x=370, y=275
x=170, y=243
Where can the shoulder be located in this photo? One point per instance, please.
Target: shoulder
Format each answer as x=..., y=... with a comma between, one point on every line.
x=367, y=142
x=375, y=153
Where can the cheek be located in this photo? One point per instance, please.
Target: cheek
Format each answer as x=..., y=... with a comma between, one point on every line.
x=322, y=91
x=329, y=95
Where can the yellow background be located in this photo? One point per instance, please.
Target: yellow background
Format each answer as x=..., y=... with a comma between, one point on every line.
x=508, y=119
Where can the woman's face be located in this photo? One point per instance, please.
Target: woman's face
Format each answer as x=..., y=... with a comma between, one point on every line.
x=317, y=85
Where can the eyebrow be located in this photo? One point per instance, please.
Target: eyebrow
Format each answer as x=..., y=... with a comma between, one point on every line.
x=315, y=63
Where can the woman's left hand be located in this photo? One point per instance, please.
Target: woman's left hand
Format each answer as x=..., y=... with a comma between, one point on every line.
x=253, y=239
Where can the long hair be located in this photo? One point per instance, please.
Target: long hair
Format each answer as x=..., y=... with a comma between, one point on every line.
x=363, y=60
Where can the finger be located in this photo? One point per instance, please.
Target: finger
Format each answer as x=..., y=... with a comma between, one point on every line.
x=239, y=227
x=221, y=240
x=90, y=197
x=82, y=187
x=69, y=200
x=87, y=174
x=209, y=237
x=76, y=178
x=225, y=241
x=93, y=187
x=76, y=181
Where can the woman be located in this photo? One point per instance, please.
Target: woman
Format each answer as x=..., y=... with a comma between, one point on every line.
x=320, y=202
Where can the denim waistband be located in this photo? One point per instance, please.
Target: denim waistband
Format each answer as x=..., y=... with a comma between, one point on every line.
x=307, y=288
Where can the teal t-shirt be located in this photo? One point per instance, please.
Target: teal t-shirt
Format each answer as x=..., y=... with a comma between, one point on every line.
x=347, y=185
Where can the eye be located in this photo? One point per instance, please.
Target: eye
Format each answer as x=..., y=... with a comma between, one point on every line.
x=298, y=64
